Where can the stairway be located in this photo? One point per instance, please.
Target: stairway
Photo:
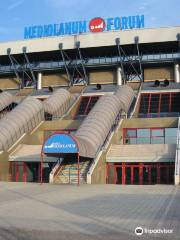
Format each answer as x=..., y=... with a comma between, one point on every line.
x=141, y=153
x=68, y=173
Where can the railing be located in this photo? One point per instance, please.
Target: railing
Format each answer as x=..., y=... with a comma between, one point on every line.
x=136, y=103
x=156, y=115
x=76, y=174
x=36, y=66
x=55, y=169
x=177, y=160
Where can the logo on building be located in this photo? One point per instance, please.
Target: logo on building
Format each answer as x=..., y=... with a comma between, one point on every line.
x=79, y=27
x=60, y=143
x=97, y=25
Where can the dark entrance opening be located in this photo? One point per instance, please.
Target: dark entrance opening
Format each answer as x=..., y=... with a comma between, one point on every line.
x=118, y=175
x=29, y=171
x=136, y=175
x=140, y=173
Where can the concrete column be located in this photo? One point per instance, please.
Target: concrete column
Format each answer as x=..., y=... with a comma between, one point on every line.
x=177, y=166
x=176, y=73
x=39, y=81
x=177, y=180
x=119, y=76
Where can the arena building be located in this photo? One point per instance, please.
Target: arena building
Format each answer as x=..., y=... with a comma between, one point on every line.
x=95, y=107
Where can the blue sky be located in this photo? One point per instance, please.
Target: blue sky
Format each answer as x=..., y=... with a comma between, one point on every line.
x=16, y=14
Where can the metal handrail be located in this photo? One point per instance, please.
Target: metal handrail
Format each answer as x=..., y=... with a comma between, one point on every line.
x=156, y=115
x=92, y=61
x=137, y=101
x=55, y=169
x=75, y=168
x=177, y=162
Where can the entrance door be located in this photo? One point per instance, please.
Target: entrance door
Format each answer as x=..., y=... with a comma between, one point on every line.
x=167, y=174
x=17, y=171
x=148, y=174
x=146, y=171
x=171, y=174
x=164, y=175
x=140, y=173
x=136, y=175
x=33, y=171
x=128, y=175
x=153, y=175
x=118, y=175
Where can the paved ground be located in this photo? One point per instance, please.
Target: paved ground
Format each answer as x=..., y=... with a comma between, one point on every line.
x=33, y=211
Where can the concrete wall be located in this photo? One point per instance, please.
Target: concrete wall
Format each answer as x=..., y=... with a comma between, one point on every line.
x=76, y=89
x=92, y=40
x=8, y=83
x=158, y=73
x=4, y=167
x=54, y=80
x=99, y=173
x=103, y=77
x=4, y=159
x=150, y=122
x=60, y=124
x=48, y=127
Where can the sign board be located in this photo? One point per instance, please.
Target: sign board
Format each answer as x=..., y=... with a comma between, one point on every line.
x=60, y=143
x=79, y=27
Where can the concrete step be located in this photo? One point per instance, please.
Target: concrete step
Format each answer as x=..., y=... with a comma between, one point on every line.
x=63, y=175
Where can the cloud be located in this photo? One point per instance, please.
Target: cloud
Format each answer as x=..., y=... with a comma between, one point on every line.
x=143, y=6
x=15, y=4
x=153, y=18
x=63, y=3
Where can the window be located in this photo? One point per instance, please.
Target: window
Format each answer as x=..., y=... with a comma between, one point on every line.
x=150, y=136
x=175, y=102
x=156, y=104
x=131, y=136
x=86, y=104
x=92, y=102
x=157, y=132
x=144, y=103
x=165, y=100
x=131, y=133
x=83, y=105
x=159, y=140
x=170, y=135
x=143, y=136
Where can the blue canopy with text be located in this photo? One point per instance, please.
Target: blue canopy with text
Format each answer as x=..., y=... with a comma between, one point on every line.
x=60, y=143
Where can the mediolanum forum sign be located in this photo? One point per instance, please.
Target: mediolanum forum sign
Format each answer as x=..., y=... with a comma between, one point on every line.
x=60, y=143
x=78, y=27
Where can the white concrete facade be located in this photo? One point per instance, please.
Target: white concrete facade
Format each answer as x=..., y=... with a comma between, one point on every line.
x=39, y=81
x=119, y=77
x=151, y=35
x=176, y=73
